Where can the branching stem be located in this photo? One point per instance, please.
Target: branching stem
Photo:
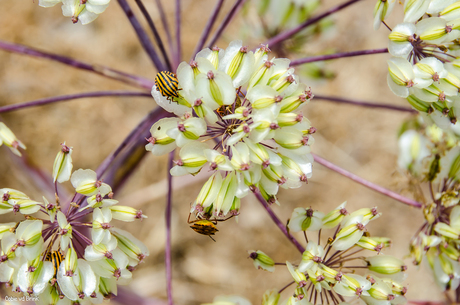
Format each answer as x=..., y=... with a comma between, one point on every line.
x=305, y=60
x=277, y=221
x=142, y=36
x=98, y=69
x=64, y=98
x=363, y=103
x=287, y=34
x=366, y=183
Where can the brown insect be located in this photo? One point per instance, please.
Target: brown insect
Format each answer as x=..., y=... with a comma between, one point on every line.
x=205, y=226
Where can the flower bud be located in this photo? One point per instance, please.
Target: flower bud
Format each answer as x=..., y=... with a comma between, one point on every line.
x=192, y=159
x=130, y=245
x=270, y=297
x=126, y=213
x=332, y=219
x=85, y=182
x=262, y=260
x=298, y=276
x=8, y=138
x=305, y=220
x=385, y=264
x=311, y=257
x=62, y=168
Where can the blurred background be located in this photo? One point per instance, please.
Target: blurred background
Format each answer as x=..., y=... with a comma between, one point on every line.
x=361, y=140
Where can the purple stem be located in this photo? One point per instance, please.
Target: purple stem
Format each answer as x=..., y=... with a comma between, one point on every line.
x=63, y=98
x=153, y=116
x=364, y=104
x=82, y=237
x=101, y=70
x=277, y=221
x=168, y=232
x=178, y=34
x=208, y=27
x=366, y=183
x=142, y=36
x=153, y=28
x=305, y=60
x=162, y=13
x=226, y=21
x=286, y=34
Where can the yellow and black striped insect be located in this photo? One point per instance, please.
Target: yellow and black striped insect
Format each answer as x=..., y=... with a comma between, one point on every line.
x=167, y=84
x=205, y=226
x=55, y=257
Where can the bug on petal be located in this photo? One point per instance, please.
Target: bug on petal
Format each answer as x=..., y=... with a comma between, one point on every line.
x=167, y=84
x=205, y=226
x=56, y=258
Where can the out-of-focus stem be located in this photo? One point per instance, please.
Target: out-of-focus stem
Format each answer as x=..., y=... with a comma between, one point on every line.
x=69, y=97
x=168, y=262
x=305, y=60
x=277, y=221
x=226, y=21
x=178, y=34
x=101, y=70
x=153, y=28
x=153, y=116
x=287, y=34
x=366, y=183
x=142, y=35
x=208, y=27
x=363, y=103
x=162, y=14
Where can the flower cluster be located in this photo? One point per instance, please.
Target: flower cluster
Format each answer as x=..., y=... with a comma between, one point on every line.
x=53, y=258
x=424, y=68
x=432, y=154
x=325, y=273
x=85, y=11
x=249, y=108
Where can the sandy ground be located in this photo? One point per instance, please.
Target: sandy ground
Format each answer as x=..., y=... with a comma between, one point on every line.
x=361, y=140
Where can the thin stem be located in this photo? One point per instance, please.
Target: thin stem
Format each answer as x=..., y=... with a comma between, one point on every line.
x=168, y=232
x=277, y=221
x=162, y=13
x=142, y=35
x=281, y=290
x=64, y=98
x=101, y=70
x=363, y=103
x=366, y=183
x=178, y=34
x=208, y=27
x=146, y=122
x=287, y=34
x=226, y=21
x=305, y=60
x=153, y=28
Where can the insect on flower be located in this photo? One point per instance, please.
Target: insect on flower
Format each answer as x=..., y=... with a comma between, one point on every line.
x=205, y=226
x=56, y=258
x=167, y=84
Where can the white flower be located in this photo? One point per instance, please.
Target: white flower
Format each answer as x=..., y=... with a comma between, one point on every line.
x=85, y=182
x=305, y=220
x=65, y=230
x=8, y=138
x=62, y=168
x=82, y=283
x=381, y=10
x=101, y=225
x=85, y=13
